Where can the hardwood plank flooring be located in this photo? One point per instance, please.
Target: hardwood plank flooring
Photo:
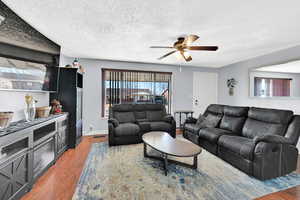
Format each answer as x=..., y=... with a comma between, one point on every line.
x=59, y=182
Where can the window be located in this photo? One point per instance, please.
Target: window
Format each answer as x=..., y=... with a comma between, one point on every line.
x=272, y=87
x=135, y=87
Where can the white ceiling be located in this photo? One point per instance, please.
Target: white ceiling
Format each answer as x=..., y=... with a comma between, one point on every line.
x=124, y=29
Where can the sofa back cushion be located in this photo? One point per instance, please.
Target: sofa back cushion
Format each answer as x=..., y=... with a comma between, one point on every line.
x=214, y=113
x=293, y=131
x=125, y=113
x=140, y=115
x=215, y=109
x=262, y=121
x=155, y=115
x=234, y=118
x=150, y=112
x=125, y=117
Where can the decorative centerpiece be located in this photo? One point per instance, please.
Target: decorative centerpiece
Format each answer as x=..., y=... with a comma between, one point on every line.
x=231, y=83
x=30, y=108
x=56, y=107
x=42, y=112
x=5, y=119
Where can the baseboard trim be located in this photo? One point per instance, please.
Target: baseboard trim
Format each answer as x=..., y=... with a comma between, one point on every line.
x=95, y=132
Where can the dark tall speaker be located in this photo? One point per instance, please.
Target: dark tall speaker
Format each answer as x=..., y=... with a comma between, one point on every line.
x=70, y=96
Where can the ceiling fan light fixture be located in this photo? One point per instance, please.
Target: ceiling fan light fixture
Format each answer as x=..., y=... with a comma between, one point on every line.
x=178, y=55
x=182, y=45
x=186, y=54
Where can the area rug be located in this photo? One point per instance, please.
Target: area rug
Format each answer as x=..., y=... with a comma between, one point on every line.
x=123, y=173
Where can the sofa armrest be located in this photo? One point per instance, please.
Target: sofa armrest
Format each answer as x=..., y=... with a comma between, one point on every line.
x=114, y=122
x=272, y=139
x=168, y=118
x=274, y=159
x=190, y=120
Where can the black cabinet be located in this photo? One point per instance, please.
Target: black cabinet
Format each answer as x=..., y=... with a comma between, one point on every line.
x=62, y=136
x=70, y=95
x=15, y=165
x=43, y=156
x=27, y=151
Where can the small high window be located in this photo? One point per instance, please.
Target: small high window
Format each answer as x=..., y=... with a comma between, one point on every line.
x=272, y=87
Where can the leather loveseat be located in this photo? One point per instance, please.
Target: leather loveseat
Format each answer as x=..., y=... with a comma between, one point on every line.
x=260, y=142
x=128, y=122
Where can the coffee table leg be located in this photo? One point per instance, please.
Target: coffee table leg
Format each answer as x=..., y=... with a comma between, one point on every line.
x=195, y=164
x=165, y=156
x=145, y=150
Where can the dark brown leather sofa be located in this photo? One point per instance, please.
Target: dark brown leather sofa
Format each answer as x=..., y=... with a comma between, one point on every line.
x=128, y=122
x=260, y=142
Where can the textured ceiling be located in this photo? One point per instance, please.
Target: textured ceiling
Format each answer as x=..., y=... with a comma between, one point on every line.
x=124, y=29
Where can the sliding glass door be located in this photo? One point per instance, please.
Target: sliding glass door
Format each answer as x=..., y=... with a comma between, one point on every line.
x=135, y=87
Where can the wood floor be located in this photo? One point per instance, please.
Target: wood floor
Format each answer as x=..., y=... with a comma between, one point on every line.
x=59, y=182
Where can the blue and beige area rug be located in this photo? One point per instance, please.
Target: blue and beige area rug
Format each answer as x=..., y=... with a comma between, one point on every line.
x=123, y=173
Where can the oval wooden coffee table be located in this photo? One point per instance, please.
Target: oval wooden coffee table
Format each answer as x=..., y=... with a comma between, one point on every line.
x=169, y=146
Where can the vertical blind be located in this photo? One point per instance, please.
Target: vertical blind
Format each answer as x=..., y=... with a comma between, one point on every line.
x=130, y=86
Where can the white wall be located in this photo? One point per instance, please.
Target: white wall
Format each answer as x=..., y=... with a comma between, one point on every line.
x=240, y=71
x=15, y=101
x=182, y=86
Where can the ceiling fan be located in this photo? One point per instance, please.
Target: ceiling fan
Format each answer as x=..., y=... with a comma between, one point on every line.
x=183, y=44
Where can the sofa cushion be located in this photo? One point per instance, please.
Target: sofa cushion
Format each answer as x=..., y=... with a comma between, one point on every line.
x=214, y=109
x=211, y=120
x=234, y=118
x=193, y=128
x=156, y=115
x=160, y=126
x=270, y=115
x=212, y=134
x=144, y=126
x=127, y=129
x=240, y=145
x=140, y=115
x=143, y=107
x=200, y=120
x=122, y=108
x=263, y=121
x=293, y=131
x=124, y=117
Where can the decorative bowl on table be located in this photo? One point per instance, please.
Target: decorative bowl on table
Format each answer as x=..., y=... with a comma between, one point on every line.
x=5, y=119
x=42, y=112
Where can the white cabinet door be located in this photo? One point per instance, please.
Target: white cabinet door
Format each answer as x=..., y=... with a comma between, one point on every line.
x=205, y=91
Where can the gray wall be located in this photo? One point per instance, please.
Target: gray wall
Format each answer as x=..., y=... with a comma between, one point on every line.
x=182, y=86
x=240, y=71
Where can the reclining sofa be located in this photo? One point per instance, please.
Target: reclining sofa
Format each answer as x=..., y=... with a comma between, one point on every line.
x=260, y=142
x=128, y=122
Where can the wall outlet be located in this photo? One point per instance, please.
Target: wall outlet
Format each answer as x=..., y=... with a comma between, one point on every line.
x=91, y=128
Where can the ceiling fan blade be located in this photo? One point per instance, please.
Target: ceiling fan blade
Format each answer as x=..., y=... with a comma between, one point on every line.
x=190, y=39
x=161, y=47
x=187, y=59
x=167, y=55
x=204, y=48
